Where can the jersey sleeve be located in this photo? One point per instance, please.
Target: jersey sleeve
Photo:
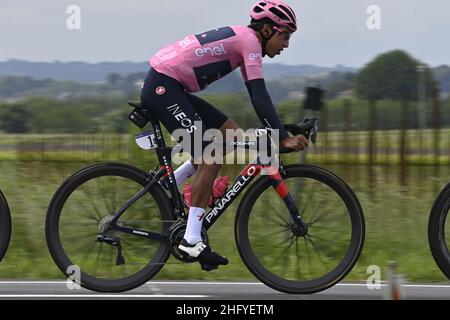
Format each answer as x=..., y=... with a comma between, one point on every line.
x=251, y=67
x=264, y=107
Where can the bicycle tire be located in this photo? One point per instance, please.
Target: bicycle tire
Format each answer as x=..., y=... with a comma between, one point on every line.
x=436, y=230
x=61, y=197
x=298, y=286
x=5, y=226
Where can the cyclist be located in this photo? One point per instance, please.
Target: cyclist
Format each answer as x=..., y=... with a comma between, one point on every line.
x=190, y=65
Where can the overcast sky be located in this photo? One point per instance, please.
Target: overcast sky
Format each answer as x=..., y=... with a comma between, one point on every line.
x=332, y=31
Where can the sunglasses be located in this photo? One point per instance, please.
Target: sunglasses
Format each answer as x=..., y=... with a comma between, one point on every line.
x=285, y=34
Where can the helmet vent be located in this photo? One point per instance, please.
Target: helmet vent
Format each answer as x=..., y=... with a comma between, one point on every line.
x=279, y=14
x=289, y=12
x=258, y=10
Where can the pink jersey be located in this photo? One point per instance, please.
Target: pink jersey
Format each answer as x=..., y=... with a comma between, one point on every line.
x=198, y=60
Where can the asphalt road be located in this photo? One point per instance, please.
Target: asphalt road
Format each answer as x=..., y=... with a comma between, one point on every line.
x=199, y=290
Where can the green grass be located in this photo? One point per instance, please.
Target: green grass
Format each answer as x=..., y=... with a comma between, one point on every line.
x=396, y=221
x=332, y=147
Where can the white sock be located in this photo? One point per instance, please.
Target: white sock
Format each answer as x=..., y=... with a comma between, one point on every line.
x=194, y=225
x=183, y=172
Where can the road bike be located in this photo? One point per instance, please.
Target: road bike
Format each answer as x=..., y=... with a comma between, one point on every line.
x=438, y=229
x=5, y=226
x=299, y=229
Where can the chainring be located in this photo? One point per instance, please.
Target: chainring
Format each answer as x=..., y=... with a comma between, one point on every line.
x=177, y=231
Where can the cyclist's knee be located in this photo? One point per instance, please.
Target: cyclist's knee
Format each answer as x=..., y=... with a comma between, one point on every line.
x=231, y=126
x=209, y=167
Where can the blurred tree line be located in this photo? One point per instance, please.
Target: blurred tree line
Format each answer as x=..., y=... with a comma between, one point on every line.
x=110, y=115
x=378, y=95
x=46, y=115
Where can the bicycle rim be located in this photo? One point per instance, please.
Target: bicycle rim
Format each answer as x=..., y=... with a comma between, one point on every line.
x=84, y=205
x=297, y=264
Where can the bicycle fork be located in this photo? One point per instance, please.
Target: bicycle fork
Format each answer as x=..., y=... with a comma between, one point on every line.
x=299, y=227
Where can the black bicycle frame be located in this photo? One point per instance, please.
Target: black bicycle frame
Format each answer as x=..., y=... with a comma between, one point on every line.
x=244, y=178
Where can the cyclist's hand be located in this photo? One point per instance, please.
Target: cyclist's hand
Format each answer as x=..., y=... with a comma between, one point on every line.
x=297, y=143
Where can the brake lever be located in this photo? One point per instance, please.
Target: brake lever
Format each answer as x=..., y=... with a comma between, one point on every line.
x=308, y=128
x=313, y=136
x=314, y=131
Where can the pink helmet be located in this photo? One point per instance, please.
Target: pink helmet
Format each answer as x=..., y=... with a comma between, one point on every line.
x=277, y=11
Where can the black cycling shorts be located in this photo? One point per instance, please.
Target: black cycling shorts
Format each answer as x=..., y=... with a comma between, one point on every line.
x=175, y=108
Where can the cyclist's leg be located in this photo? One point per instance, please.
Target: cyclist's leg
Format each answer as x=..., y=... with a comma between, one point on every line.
x=211, y=116
x=166, y=99
x=184, y=172
x=201, y=191
x=206, y=173
x=212, y=119
x=204, y=181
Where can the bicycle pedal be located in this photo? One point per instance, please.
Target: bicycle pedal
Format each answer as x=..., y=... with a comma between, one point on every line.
x=208, y=267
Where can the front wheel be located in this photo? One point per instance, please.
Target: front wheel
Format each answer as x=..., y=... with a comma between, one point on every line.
x=437, y=229
x=297, y=264
x=79, y=214
x=5, y=226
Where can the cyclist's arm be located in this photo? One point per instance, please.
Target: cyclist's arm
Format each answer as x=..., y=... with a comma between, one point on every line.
x=252, y=73
x=264, y=107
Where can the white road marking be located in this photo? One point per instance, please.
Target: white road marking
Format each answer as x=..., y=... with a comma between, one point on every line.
x=99, y=296
x=152, y=284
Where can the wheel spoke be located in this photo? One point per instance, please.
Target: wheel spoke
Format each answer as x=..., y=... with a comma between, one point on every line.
x=89, y=248
x=268, y=234
x=114, y=197
x=291, y=242
x=282, y=256
x=282, y=219
x=103, y=195
x=275, y=250
x=317, y=251
x=298, y=271
x=307, y=252
x=88, y=213
x=309, y=197
x=97, y=258
x=280, y=243
x=88, y=194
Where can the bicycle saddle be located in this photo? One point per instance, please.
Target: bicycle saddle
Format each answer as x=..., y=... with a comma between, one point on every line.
x=136, y=104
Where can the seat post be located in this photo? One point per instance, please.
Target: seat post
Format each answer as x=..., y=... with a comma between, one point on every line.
x=157, y=130
x=164, y=154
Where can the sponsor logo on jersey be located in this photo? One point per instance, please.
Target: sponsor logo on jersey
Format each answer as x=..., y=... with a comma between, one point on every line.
x=255, y=56
x=182, y=118
x=210, y=51
x=186, y=42
x=160, y=90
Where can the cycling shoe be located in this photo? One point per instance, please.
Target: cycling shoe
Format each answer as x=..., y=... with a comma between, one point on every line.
x=209, y=260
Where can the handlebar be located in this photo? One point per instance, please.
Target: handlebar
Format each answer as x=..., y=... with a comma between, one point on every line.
x=309, y=128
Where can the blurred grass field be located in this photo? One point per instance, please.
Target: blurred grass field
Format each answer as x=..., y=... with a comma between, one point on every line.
x=396, y=222
x=425, y=147
x=396, y=215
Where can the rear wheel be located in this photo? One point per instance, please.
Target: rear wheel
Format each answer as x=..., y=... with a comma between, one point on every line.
x=300, y=264
x=81, y=210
